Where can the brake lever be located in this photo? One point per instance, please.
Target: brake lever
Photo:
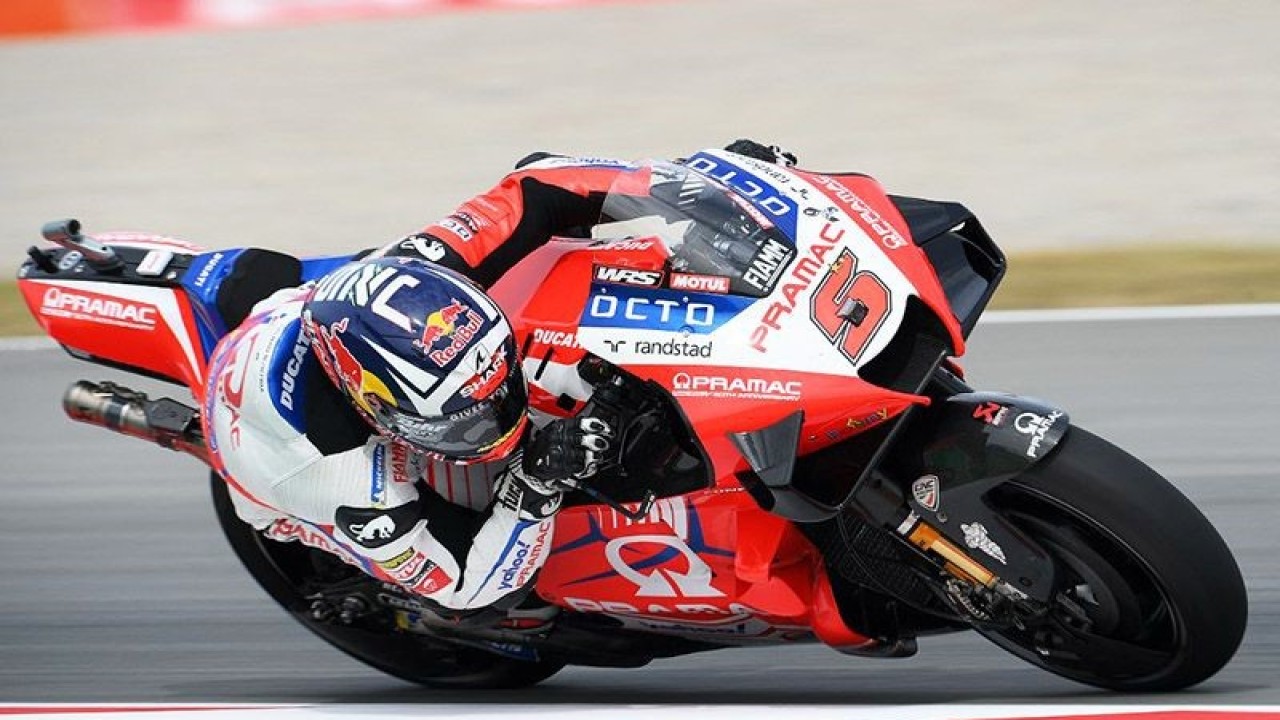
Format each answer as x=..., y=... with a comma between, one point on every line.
x=646, y=503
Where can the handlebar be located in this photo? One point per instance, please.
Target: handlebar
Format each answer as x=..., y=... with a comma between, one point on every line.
x=67, y=234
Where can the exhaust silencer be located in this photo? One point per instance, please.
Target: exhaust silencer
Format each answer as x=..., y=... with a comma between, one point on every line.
x=165, y=422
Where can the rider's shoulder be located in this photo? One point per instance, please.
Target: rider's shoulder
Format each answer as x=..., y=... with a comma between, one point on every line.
x=286, y=367
x=268, y=356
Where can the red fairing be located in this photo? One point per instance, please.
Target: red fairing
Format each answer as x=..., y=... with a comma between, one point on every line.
x=556, y=310
x=864, y=199
x=151, y=328
x=710, y=560
x=835, y=407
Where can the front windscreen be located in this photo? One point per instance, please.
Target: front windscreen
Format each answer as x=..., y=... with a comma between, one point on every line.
x=708, y=228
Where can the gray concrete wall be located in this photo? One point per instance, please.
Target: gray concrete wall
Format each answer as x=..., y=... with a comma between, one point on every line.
x=1092, y=121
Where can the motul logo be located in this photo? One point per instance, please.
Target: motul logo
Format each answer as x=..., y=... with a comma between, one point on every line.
x=701, y=283
x=628, y=276
x=97, y=308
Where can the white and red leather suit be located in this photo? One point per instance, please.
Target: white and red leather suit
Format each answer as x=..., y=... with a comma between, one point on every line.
x=457, y=535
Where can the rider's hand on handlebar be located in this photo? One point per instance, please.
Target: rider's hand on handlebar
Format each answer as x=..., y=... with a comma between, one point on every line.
x=760, y=151
x=567, y=451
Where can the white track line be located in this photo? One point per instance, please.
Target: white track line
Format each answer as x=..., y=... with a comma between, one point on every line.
x=200, y=711
x=1163, y=312
x=31, y=342
x=995, y=317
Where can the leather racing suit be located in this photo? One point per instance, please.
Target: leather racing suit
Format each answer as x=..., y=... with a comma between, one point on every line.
x=303, y=465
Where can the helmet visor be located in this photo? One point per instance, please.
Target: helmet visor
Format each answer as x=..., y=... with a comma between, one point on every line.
x=464, y=435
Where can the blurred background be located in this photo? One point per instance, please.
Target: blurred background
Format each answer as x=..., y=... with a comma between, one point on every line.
x=316, y=126
x=329, y=125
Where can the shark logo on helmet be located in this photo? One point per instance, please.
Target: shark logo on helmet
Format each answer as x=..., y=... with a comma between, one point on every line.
x=490, y=372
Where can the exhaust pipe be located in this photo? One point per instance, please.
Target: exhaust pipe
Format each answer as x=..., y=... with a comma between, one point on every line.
x=165, y=422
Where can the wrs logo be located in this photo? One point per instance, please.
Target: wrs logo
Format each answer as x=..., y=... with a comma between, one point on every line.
x=628, y=276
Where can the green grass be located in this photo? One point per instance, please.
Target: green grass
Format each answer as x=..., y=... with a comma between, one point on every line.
x=15, y=319
x=1141, y=275
x=1130, y=275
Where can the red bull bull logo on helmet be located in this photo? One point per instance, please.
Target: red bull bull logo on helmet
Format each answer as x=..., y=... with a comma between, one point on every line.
x=443, y=327
x=338, y=360
x=440, y=324
x=341, y=364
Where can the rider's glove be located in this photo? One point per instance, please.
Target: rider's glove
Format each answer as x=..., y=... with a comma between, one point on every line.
x=760, y=151
x=529, y=498
x=557, y=459
x=567, y=452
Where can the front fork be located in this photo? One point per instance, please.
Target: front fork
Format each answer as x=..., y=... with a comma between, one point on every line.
x=955, y=453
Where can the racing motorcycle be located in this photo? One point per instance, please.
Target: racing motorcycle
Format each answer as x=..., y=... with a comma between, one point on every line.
x=801, y=461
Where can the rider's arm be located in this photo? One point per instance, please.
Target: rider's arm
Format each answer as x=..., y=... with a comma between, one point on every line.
x=488, y=234
x=333, y=486
x=400, y=531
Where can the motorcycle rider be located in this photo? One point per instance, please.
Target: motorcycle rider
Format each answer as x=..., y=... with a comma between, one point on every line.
x=380, y=412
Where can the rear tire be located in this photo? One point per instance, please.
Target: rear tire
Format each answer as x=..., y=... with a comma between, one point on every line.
x=1149, y=596
x=274, y=565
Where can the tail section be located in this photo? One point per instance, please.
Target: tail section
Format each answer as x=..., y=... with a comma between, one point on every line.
x=150, y=304
x=123, y=317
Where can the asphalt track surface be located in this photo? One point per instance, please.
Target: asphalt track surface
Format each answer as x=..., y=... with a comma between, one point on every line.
x=116, y=586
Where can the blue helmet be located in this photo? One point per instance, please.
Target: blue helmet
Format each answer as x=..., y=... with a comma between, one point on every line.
x=423, y=354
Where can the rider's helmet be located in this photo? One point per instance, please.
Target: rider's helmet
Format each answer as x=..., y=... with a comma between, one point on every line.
x=424, y=355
